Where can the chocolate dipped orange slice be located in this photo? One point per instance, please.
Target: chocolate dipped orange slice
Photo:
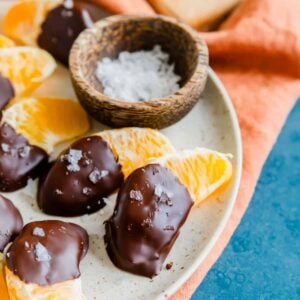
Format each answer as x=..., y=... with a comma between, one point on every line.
x=152, y=205
x=50, y=24
x=43, y=262
x=29, y=130
x=80, y=179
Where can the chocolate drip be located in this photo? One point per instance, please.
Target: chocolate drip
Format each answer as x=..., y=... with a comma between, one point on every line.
x=11, y=222
x=6, y=92
x=60, y=29
x=80, y=178
x=152, y=205
x=19, y=160
x=48, y=252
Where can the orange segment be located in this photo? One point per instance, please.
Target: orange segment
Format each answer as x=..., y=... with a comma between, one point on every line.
x=3, y=289
x=135, y=146
x=19, y=290
x=46, y=122
x=201, y=170
x=23, y=20
x=5, y=42
x=26, y=67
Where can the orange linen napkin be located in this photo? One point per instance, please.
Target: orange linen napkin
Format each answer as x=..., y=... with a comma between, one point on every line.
x=125, y=6
x=256, y=54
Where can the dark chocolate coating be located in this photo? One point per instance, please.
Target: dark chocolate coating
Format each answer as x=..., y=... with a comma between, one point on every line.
x=19, y=160
x=72, y=193
x=60, y=29
x=11, y=222
x=144, y=226
x=6, y=92
x=65, y=243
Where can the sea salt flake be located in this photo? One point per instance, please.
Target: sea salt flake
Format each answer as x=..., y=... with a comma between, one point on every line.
x=104, y=173
x=68, y=4
x=147, y=223
x=41, y=253
x=26, y=244
x=86, y=191
x=96, y=175
x=24, y=151
x=158, y=190
x=58, y=192
x=86, y=162
x=138, y=76
x=5, y=147
x=73, y=157
x=38, y=231
x=136, y=195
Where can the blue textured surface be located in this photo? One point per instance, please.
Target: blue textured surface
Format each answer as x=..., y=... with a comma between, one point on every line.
x=262, y=260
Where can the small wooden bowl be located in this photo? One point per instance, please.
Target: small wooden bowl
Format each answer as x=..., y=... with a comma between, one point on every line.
x=110, y=36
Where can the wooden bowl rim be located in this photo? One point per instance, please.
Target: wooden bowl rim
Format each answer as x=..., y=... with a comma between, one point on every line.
x=83, y=84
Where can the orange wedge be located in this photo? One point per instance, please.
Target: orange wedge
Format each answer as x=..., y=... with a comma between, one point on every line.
x=66, y=290
x=3, y=288
x=5, y=42
x=201, y=170
x=26, y=67
x=135, y=146
x=23, y=20
x=46, y=122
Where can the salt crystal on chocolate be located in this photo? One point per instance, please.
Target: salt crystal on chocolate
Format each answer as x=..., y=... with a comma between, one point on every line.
x=68, y=4
x=37, y=231
x=24, y=151
x=97, y=175
x=5, y=147
x=58, y=192
x=86, y=191
x=136, y=195
x=41, y=253
x=158, y=190
x=73, y=157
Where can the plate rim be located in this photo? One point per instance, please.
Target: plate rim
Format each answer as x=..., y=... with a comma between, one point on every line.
x=173, y=288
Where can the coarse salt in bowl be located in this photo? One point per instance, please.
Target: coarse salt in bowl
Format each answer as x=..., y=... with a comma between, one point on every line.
x=98, y=82
x=138, y=76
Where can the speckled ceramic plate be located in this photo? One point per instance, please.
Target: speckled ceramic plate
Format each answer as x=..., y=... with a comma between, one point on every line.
x=213, y=124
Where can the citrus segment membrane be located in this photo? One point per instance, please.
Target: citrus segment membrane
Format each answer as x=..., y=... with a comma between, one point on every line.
x=46, y=122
